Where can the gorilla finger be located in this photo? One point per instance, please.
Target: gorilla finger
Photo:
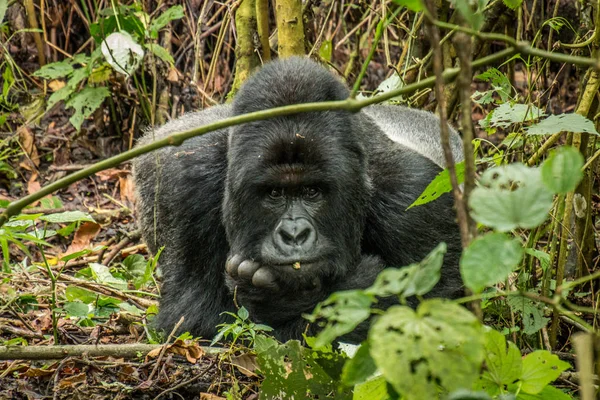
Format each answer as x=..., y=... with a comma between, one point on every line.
x=232, y=264
x=264, y=278
x=247, y=269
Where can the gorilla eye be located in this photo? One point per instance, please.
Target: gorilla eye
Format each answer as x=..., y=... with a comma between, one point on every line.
x=276, y=193
x=311, y=192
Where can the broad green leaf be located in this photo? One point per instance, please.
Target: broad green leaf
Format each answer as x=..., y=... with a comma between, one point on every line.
x=563, y=122
x=101, y=274
x=54, y=70
x=513, y=4
x=67, y=216
x=243, y=313
x=76, y=309
x=539, y=369
x=326, y=50
x=531, y=314
x=360, y=367
x=122, y=52
x=474, y=18
x=439, y=344
x=489, y=259
x=511, y=196
x=343, y=311
x=3, y=8
x=464, y=394
x=293, y=371
x=503, y=361
x=507, y=114
x=416, y=279
x=440, y=185
x=547, y=393
x=85, y=103
x=412, y=5
x=373, y=389
x=61, y=94
x=160, y=52
x=175, y=12
x=542, y=256
x=561, y=172
x=74, y=293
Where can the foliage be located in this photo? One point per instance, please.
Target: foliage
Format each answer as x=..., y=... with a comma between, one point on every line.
x=122, y=36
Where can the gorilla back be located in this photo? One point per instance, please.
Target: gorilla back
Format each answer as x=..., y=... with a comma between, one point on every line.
x=285, y=211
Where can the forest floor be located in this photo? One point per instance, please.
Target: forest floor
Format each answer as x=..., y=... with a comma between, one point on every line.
x=115, y=310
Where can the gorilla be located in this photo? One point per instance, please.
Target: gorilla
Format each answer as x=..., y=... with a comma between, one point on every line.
x=276, y=215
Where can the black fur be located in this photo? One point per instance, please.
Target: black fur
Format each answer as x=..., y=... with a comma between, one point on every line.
x=329, y=190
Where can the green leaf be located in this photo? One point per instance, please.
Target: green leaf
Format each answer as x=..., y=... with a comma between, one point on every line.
x=513, y=4
x=101, y=274
x=74, y=293
x=243, y=313
x=474, y=18
x=175, y=12
x=59, y=95
x=76, y=309
x=539, y=369
x=326, y=50
x=547, y=393
x=500, y=85
x=3, y=8
x=416, y=279
x=439, y=344
x=561, y=172
x=292, y=371
x=85, y=103
x=463, y=394
x=503, y=361
x=412, y=5
x=489, y=259
x=67, y=216
x=563, y=122
x=160, y=52
x=373, y=389
x=343, y=311
x=507, y=114
x=54, y=70
x=542, y=256
x=531, y=313
x=509, y=197
x=360, y=367
x=440, y=185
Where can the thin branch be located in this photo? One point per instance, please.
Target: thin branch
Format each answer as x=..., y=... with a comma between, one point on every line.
x=177, y=139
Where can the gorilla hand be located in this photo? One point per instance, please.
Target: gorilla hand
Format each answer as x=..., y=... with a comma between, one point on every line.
x=245, y=272
x=248, y=271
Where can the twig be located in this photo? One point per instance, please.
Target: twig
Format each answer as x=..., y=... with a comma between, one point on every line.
x=164, y=349
x=177, y=139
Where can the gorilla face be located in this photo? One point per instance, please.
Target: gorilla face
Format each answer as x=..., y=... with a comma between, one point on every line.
x=294, y=206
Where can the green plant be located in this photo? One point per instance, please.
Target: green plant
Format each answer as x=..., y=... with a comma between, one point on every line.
x=241, y=329
x=122, y=34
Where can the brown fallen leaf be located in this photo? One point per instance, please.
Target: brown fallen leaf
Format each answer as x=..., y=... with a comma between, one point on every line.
x=27, y=141
x=72, y=381
x=192, y=351
x=210, y=396
x=246, y=364
x=83, y=237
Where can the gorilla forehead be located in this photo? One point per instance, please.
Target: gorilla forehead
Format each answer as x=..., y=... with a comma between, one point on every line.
x=291, y=150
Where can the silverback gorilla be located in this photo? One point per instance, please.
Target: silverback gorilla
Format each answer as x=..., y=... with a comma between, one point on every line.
x=283, y=212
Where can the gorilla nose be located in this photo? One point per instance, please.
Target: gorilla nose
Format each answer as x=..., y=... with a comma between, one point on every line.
x=295, y=234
